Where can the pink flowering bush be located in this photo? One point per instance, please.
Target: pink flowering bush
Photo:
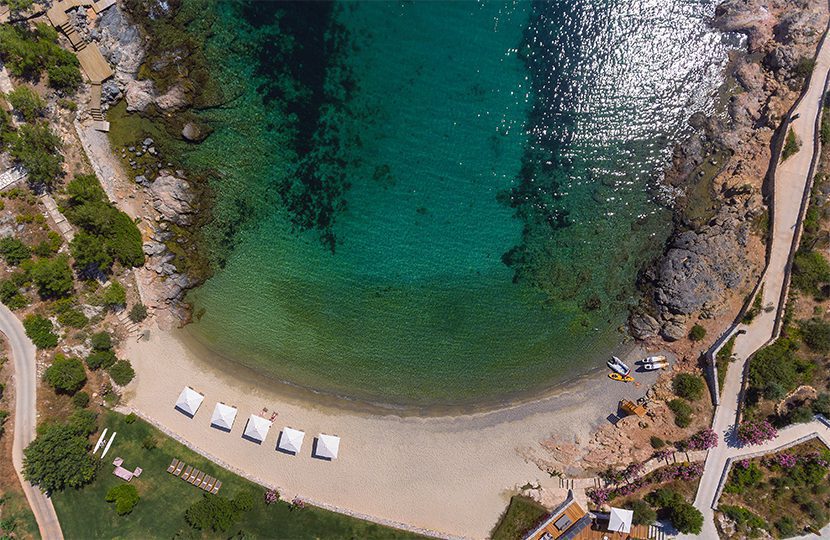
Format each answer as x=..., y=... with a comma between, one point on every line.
x=663, y=454
x=703, y=440
x=297, y=503
x=755, y=432
x=743, y=464
x=599, y=496
x=678, y=471
x=271, y=496
x=785, y=460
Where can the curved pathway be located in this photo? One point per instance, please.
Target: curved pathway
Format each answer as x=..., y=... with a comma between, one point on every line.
x=25, y=419
x=792, y=179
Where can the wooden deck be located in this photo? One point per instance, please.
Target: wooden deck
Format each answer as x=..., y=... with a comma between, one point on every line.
x=595, y=533
x=94, y=65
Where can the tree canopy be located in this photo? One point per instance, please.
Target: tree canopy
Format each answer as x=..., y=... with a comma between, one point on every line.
x=53, y=277
x=39, y=330
x=59, y=458
x=37, y=149
x=29, y=52
x=65, y=375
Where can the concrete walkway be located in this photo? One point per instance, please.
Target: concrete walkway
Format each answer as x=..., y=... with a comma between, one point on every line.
x=791, y=180
x=25, y=419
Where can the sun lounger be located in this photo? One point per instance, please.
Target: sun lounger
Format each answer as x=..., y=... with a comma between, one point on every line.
x=193, y=475
x=173, y=465
x=210, y=484
x=186, y=473
x=215, y=489
x=199, y=477
x=179, y=469
x=204, y=483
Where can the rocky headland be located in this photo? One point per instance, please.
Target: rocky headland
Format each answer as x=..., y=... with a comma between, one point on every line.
x=716, y=252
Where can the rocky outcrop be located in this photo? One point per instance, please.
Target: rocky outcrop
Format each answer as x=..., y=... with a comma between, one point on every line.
x=121, y=43
x=713, y=259
x=172, y=199
x=139, y=95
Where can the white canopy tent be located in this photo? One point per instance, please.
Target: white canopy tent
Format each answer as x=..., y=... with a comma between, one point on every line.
x=327, y=446
x=223, y=416
x=189, y=401
x=291, y=440
x=257, y=428
x=620, y=520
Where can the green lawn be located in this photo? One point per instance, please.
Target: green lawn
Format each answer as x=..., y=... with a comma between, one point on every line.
x=16, y=518
x=522, y=514
x=164, y=498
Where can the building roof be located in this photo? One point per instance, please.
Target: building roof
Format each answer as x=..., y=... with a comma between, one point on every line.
x=257, y=428
x=291, y=440
x=223, y=416
x=565, y=522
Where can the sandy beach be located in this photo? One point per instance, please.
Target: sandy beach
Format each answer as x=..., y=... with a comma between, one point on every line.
x=450, y=474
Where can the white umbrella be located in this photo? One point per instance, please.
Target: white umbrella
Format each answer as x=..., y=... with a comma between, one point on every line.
x=257, y=428
x=620, y=520
x=327, y=446
x=189, y=401
x=291, y=440
x=223, y=416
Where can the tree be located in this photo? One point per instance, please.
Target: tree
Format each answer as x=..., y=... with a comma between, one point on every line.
x=822, y=404
x=58, y=458
x=688, y=386
x=697, y=333
x=115, y=295
x=644, y=514
x=39, y=330
x=125, y=497
x=686, y=518
x=13, y=250
x=101, y=341
x=27, y=53
x=215, y=513
x=122, y=372
x=65, y=375
x=53, y=277
x=27, y=103
x=810, y=271
x=64, y=77
x=37, y=149
x=91, y=255
x=83, y=422
x=138, y=313
x=80, y=400
x=101, y=359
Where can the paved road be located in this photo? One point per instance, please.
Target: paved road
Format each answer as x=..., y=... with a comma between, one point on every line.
x=25, y=419
x=791, y=180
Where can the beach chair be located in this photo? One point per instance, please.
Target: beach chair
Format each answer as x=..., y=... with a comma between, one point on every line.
x=178, y=470
x=215, y=489
x=193, y=475
x=204, y=483
x=210, y=484
x=186, y=473
x=173, y=465
x=199, y=477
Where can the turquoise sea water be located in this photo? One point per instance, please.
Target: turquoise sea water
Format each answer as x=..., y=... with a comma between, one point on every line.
x=440, y=202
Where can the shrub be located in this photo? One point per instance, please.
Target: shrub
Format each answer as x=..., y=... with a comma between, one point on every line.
x=53, y=277
x=149, y=443
x=778, y=362
x=125, y=497
x=697, y=333
x=656, y=442
x=84, y=422
x=65, y=77
x=774, y=391
x=13, y=250
x=80, y=400
x=38, y=149
x=743, y=517
x=122, y=372
x=50, y=246
x=703, y=440
x=28, y=52
x=822, y=405
x=101, y=341
x=59, y=458
x=800, y=415
x=743, y=477
x=804, y=68
x=3, y=416
x=65, y=375
x=212, y=512
x=244, y=501
x=115, y=295
x=816, y=334
x=682, y=412
x=755, y=432
x=810, y=272
x=686, y=518
x=26, y=102
x=73, y=318
x=39, y=330
x=688, y=386
x=791, y=145
x=130, y=418
x=100, y=360
x=138, y=313
x=643, y=513
x=786, y=526
x=271, y=496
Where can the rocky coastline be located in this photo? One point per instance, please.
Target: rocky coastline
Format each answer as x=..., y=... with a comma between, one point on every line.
x=716, y=252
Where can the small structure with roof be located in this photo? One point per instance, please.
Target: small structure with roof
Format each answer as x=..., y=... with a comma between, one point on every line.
x=189, y=401
x=256, y=429
x=619, y=520
x=291, y=440
x=223, y=416
x=326, y=447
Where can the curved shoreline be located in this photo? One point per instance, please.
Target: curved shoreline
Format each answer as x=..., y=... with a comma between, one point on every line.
x=450, y=474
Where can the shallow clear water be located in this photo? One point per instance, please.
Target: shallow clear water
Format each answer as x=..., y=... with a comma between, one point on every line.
x=441, y=202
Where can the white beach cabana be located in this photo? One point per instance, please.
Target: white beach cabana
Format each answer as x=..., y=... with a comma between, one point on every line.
x=189, y=401
x=327, y=446
x=223, y=416
x=291, y=440
x=620, y=520
x=257, y=428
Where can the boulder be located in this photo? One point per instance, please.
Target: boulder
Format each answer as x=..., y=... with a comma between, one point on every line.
x=193, y=133
x=643, y=326
x=172, y=100
x=172, y=199
x=139, y=95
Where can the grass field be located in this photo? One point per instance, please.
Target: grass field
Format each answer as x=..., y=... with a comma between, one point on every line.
x=16, y=518
x=164, y=498
x=521, y=515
